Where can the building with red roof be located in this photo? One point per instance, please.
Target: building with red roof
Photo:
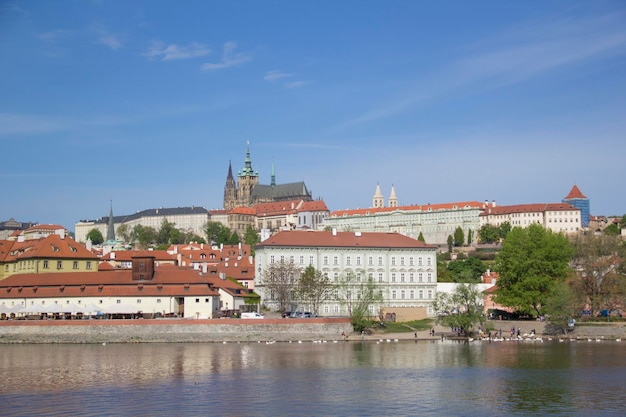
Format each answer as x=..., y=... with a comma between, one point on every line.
x=558, y=217
x=403, y=269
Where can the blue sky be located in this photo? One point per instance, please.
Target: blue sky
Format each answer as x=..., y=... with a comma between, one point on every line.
x=145, y=102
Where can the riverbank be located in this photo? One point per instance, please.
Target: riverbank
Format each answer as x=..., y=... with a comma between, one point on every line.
x=172, y=330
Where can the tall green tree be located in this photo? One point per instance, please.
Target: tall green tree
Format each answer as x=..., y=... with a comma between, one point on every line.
x=459, y=236
x=421, y=237
x=313, y=288
x=462, y=309
x=599, y=280
x=450, y=243
x=252, y=238
x=95, y=236
x=467, y=270
x=144, y=236
x=123, y=231
x=359, y=296
x=470, y=237
x=560, y=306
x=532, y=261
x=505, y=228
x=488, y=233
x=165, y=233
x=217, y=233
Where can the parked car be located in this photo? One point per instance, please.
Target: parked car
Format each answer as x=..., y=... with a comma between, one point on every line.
x=307, y=314
x=251, y=316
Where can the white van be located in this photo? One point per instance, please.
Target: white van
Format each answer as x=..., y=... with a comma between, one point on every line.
x=251, y=316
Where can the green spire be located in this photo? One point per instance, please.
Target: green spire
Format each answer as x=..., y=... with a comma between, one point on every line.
x=247, y=171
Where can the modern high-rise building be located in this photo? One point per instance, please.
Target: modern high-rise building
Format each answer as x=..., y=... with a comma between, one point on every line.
x=578, y=200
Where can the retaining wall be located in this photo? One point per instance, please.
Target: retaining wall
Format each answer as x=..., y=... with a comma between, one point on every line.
x=172, y=330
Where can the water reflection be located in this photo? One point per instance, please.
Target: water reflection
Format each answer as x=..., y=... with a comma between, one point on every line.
x=426, y=378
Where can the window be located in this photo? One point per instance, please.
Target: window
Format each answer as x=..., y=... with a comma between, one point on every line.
x=197, y=300
x=272, y=259
x=411, y=261
x=335, y=260
x=430, y=294
x=59, y=264
x=336, y=276
x=326, y=309
x=291, y=260
x=393, y=261
x=310, y=260
x=402, y=277
x=158, y=301
x=393, y=294
x=380, y=277
x=118, y=301
x=370, y=261
x=412, y=294
x=420, y=277
x=429, y=261
x=348, y=260
x=336, y=308
x=88, y=264
x=402, y=294
x=282, y=259
x=421, y=293
x=402, y=260
x=45, y=265
x=430, y=277
x=380, y=261
x=75, y=265
x=419, y=261
x=358, y=260
x=411, y=277
x=139, y=301
x=393, y=277
x=325, y=260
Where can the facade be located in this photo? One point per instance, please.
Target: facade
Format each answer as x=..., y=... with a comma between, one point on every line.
x=187, y=219
x=435, y=221
x=9, y=227
x=404, y=269
x=144, y=289
x=53, y=254
x=290, y=215
x=247, y=192
x=558, y=217
x=578, y=200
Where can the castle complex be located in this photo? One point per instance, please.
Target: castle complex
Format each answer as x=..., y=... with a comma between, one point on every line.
x=247, y=192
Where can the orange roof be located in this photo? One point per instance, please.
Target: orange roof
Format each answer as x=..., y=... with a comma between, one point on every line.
x=51, y=247
x=243, y=210
x=418, y=207
x=127, y=255
x=574, y=193
x=528, y=208
x=316, y=205
x=313, y=238
x=45, y=227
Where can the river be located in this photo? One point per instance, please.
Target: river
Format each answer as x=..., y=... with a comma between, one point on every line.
x=403, y=378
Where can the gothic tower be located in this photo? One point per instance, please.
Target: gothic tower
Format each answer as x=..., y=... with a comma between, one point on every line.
x=230, y=190
x=393, y=200
x=378, y=201
x=246, y=181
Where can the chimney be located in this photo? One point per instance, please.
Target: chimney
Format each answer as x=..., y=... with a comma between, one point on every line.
x=493, y=203
x=334, y=231
x=204, y=268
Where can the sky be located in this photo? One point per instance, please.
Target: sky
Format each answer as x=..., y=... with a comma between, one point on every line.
x=142, y=104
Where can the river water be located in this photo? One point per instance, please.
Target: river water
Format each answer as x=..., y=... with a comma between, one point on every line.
x=403, y=378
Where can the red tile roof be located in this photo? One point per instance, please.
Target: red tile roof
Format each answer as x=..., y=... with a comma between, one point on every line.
x=574, y=193
x=313, y=238
x=127, y=255
x=528, y=208
x=243, y=210
x=315, y=205
x=417, y=207
x=50, y=247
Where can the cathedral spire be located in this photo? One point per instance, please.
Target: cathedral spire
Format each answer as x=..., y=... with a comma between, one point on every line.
x=273, y=183
x=111, y=225
x=247, y=170
x=378, y=200
x=393, y=200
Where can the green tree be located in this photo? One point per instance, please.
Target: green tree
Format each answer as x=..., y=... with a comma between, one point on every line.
x=599, y=281
x=233, y=239
x=252, y=238
x=612, y=230
x=359, y=296
x=164, y=236
x=450, y=243
x=144, y=236
x=279, y=282
x=504, y=229
x=421, y=237
x=488, y=233
x=313, y=288
x=95, y=236
x=123, y=232
x=217, y=233
x=459, y=236
x=470, y=237
x=560, y=306
x=532, y=261
x=467, y=270
x=462, y=309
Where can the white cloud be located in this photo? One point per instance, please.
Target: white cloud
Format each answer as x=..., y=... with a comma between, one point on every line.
x=229, y=58
x=105, y=37
x=275, y=75
x=171, y=52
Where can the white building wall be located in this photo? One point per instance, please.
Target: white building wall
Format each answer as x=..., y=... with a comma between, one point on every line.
x=406, y=277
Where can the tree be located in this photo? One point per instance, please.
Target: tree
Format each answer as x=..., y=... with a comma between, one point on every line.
x=421, y=237
x=124, y=232
x=233, y=239
x=252, y=238
x=597, y=260
x=359, y=296
x=280, y=281
x=467, y=270
x=560, y=306
x=462, y=309
x=470, y=237
x=450, y=243
x=488, y=233
x=217, y=233
x=532, y=261
x=143, y=235
x=166, y=232
x=95, y=236
x=505, y=228
x=459, y=236
x=313, y=288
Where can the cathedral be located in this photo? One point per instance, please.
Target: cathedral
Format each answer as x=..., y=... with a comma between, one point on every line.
x=247, y=192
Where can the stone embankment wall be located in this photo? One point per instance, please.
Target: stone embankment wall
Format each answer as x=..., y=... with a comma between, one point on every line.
x=172, y=330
